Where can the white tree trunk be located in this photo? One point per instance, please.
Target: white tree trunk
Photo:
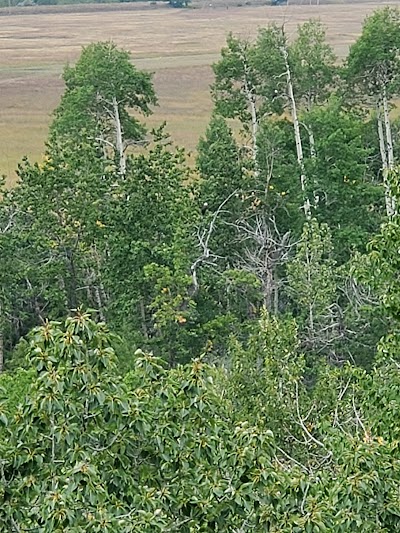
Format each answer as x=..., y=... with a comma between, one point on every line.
x=249, y=93
x=119, y=138
x=296, y=127
x=386, y=150
x=382, y=142
x=388, y=129
x=254, y=128
x=313, y=151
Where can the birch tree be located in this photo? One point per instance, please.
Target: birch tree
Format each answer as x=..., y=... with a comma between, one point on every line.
x=240, y=91
x=260, y=79
x=313, y=66
x=374, y=69
x=102, y=90
x=274, y=64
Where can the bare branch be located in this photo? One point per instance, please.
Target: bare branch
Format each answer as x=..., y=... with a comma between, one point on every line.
x=303, y=426
x=204, y=240
x=10, y=222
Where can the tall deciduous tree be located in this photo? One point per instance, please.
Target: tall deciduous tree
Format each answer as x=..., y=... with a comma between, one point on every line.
x=51, y=227
x=277, y=69
x=102, y=90
x=149, y=221
x=373, y=66
x=222, y=181
x=313, y=66
x=236, y=89
x=344, y=184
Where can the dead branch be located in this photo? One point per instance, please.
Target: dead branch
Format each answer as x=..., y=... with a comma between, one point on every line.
x=204, y=237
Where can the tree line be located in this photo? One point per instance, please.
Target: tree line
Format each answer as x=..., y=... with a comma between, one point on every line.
x=248, y=375
x=32, y=3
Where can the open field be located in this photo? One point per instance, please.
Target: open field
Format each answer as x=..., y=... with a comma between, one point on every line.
x=177, y=45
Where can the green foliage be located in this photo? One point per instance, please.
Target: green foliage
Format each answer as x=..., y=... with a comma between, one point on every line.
x=104, y=72
x=147, y=212
x=265, y=373
x=169, y=450
x=13, y=389
x=66, y=439
x=209, y=464
x=347, y=195
x=232, y=418
x=56, y=212
x=373, y=61
x=235, y=75
x=219, y=164
x=102, y=90
x=223, y=185
x=86, y=454
x=313, y=62
x=311, y=272
x=379, y=268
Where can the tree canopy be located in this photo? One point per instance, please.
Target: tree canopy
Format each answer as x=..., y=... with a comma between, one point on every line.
x=210, y=343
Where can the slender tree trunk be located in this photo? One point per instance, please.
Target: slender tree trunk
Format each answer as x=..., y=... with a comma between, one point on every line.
x=98, y=288
x=296, y=127
x=313, y=151
x=385, y=169
x=254, y=129
x=251, y=99
x=381, y=135
x=99, y=303
x=390, y=153
x=119, y=138
x=386, y=150
x=388, y=130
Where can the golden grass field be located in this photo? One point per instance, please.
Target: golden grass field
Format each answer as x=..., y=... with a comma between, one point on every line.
x=177, y=45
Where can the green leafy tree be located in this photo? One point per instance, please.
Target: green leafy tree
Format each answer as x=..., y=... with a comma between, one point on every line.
x=312, y=283
x=236, y=87
x=313, y=65
x=56, y=222
x=223, y=182
x=219, y=163
x=313, y=61
x=86, y=453
x=278, y=70
x=346, y=193
x=377, y=272
x=102, y=90
x=66, y=439
x=169, y=450
x=209, y=463
x=266, y=372
x=372, y=67
x=148, y=229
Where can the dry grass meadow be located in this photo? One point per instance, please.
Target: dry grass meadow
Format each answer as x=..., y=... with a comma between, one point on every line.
x=177, y=45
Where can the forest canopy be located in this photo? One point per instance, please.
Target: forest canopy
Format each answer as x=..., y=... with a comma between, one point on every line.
x=209, y=347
